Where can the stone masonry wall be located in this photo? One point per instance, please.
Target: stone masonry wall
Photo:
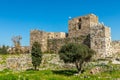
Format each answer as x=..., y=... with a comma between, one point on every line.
x=116, y=46
x=56, y=35
x=15, y=62
x=81, y=25
x=40, y=37
x=98, y=36
x=55, y=44
x=100, y=40
x=108, y=42
x=23, y=62
x=78, y=27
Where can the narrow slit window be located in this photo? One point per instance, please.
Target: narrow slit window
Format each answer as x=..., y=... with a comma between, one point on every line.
x=80, y=20
x=79, y=26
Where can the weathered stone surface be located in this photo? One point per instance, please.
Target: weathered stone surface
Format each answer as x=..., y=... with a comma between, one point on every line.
x=115, y=61
x=56, y=35
x=96, y=70
x=81, y=25
x=115, y=47
x=16, y=62
x=42, y=37
x=39, y=36
x=54, y=45
x=100, y=40
x=23, y=62
x=98, y=36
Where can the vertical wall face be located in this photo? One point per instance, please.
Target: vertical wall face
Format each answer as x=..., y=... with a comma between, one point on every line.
x=50, y=35
x=100, y=40
x=54, y=45
x=59, y=35
x=40, y=37
x=100, y=37
x=116, y=47
x=95, y=35
x=93, y=19
x=79, y=26
x=108, y=42
x=56, y=35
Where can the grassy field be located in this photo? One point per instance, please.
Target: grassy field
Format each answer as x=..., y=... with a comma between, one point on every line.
x=58, y=75
x=110, y=72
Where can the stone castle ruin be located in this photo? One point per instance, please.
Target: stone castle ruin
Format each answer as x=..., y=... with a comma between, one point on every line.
x=84, y=29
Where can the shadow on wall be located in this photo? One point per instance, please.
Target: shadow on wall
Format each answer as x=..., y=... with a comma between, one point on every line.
x=87, y=40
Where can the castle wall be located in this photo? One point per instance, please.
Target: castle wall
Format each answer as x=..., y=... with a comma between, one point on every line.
x=54, y=45
x=50, y=35
x=56, y=35
x=115, y=46
x=108, y=41
x=100, y=40
x=85, y=29
x=80, y=26
x=40, y=37
x=100, y=36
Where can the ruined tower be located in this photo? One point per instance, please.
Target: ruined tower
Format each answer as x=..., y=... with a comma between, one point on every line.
x=40, y=37
x=99, y=35
x=80, y=26
x=85, y=29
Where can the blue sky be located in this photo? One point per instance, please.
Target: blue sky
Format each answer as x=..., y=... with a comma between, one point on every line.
x=18, y=17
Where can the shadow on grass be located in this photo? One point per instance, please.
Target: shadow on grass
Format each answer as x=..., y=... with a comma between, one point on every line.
x=65, y=72
x=31, y=69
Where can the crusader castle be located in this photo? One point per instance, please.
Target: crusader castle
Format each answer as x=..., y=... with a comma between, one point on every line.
x=84, y=29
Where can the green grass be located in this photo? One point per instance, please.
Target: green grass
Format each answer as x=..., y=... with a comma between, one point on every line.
x=111, y=72
x=57, y=75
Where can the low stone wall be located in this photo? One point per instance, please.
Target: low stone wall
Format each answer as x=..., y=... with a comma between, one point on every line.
x=15, y=62
x=23, y=62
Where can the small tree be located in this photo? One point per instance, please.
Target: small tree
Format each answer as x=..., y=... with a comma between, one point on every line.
x=75, y=53
x=17, y=44
x=36, y=55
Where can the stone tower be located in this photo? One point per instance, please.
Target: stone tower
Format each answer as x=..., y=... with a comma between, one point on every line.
x=85, y=29
x=100, y=40
x=80, y=26
x=40, y=37
x=98, y=34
